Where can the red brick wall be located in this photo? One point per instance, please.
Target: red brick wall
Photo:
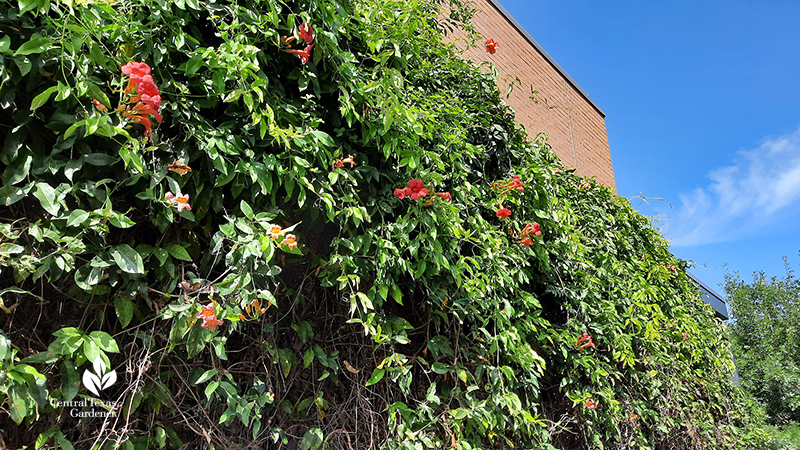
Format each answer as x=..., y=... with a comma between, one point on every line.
x=576, y=129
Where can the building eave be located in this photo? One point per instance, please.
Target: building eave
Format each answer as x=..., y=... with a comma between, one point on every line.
x=714, y=298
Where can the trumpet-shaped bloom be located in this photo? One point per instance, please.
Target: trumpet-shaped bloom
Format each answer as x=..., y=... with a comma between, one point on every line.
x=206, y=311
x=209, y=316
x=98, y=105
x=417, y=189
x=134, y=68
x=491, y=46
x=146, y=86
x=211, y=323
x=527, y=242
x=286, y=41
x=503, y=212
x=585, y=341
x=275, y=231
x=179, y=200
x=290, y=241
x=143, y=120
x=516, y=183
x=341, y=162
x=444, y=195
x=591, y=404
x=153, y=101
x=401, y=193
x=533, y=228
x=145, y=97
x=304, y=54
x=306, y=33
x=144, y=109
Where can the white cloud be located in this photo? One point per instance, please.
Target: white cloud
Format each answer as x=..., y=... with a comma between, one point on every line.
x=760, y=187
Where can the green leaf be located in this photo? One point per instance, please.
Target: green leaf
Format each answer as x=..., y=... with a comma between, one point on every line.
x=91, y=351
x=87, y=276
x=63, y=442
x=440, y=368
x=366, y=302
x=194, y=64
x=12, y=194
x=308, y=357
x=219, y=349
x=286, y=359
x=397, y=294
x=42, y=98
x=70, y=380
x=118, y=219
x=40, y=358
x=47, y=198
x=104, y=341
x=246, y=209
x=77, y=218
x=124, y=307
x=100, y=159
x=7, y=248
x=95, y=91
x=128, y=259
x=44, y=437
x=324, y=138
x=388, y=119
x=96, y=54
x=312, y=440
x=377, y=375
x=161, y=255
x=18, y=169
x=211, y=388
x=17, y=404
x=36, y=44
x=132, y=159
x=304, y=331
x=177, y=251
x=206, y=376
x=195, y=343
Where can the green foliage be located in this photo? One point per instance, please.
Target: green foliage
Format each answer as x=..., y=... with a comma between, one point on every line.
x=397, y=323
x=784, y=438
x=764, y=332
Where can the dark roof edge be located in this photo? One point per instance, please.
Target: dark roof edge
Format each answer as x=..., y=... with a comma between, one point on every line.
x=705, y=286
x=549, y=58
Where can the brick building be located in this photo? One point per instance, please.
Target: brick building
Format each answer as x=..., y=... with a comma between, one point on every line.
x=574, y=123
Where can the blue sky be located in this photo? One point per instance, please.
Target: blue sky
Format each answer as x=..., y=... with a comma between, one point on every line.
x=702, y=103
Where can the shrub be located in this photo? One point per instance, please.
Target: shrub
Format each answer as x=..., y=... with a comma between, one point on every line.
x=764, y=339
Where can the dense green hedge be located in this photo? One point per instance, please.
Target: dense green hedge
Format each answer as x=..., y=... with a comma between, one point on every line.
x=764, y=332
x=399, y=321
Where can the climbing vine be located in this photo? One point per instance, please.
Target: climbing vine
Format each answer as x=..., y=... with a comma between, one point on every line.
x=312, y=223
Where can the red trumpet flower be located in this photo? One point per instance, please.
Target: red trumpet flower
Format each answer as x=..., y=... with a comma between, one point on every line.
x=304, y=54
x=585, y=341
x=491, y=46
x=503, y=212
x=306, y=33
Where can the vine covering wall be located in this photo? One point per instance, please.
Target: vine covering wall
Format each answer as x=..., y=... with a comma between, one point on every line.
x=311, y=223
